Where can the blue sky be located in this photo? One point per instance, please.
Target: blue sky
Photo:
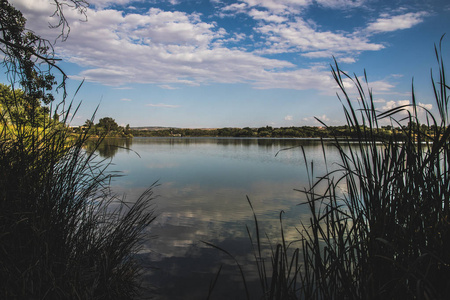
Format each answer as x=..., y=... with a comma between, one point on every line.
x=220, y=63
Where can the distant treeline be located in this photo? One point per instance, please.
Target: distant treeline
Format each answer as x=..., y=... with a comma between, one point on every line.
x=108, y=126
x=262, y=132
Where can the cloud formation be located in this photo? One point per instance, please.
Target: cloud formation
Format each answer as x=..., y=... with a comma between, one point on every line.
x=407, y=106
x=388, y=23
x=299, y=36
x=171, y=48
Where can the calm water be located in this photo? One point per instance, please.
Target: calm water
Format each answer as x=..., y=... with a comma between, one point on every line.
x=203, y=185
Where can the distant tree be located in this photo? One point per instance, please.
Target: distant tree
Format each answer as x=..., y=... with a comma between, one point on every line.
x=245, y=132
x=265, y=131
x=89, y=123
x=107, y=125
x=225, y=132
x=290, y=132
x=424, y=127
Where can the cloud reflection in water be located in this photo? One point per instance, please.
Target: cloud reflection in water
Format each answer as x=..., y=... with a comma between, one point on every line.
x=202, y=197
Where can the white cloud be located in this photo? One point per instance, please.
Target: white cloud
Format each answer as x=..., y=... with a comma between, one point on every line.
x=235, y=7
x=340, y=57
x=421, y=107
x=172, y=47
x=378, y=87
x=426, y=106
x=314, y=121
x=393, y=104
x=341, y=4
x=323, y=118
x=318, y=54
x=231, y=10
x=123, y=88
x=157, y=47
x=279, y=6
x=106, y=3
x=379, y=100
x=266, y=16
x=163, y=27
x=282, y=35
x=387, y=23
x=301, y=36
x=167, y=87
x=302, y=79
x=381, y=86
x=238, y=37
x=162, y=105
x=288, y=118
x=289, y=7
x=126, y=99
x=347, y=60
x=284, y=31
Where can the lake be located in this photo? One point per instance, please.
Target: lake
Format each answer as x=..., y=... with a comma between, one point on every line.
x=203, y=184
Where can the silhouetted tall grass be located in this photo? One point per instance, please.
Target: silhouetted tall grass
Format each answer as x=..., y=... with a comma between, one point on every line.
x=380, y=224
x=381, y=229
x=63, y=234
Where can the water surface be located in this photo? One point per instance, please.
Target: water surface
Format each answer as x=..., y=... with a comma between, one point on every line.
x=202, y=196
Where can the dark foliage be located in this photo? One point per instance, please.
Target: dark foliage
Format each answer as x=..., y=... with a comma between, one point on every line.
x=63, y=233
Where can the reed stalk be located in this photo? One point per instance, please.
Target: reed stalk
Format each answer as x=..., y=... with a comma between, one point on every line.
x=379, y=225
x=387, y=235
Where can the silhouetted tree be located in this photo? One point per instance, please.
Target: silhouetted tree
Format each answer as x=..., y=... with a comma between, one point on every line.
x=28, y=59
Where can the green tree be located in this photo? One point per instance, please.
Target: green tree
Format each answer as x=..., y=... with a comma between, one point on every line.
x=17, y=110
x=265, y=131
x=107, y=125
x=29, y=60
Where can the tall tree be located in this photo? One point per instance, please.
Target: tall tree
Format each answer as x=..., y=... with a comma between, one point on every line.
x=29, y=59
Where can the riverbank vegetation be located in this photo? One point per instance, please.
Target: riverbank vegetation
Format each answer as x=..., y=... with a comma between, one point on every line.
x=343, y=131
x=262, y=132
x=63, y=233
